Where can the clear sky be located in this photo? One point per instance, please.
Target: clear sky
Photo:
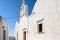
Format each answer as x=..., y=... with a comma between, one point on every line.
x=10, y=11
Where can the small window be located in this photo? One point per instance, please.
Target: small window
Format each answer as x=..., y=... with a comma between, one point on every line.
x=40, y=27
x=3, y=27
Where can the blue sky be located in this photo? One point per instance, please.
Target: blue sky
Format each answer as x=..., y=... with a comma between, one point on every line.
x=10, y=11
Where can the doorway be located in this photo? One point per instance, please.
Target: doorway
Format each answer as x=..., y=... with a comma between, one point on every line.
x=24, y=35
x=4, y=35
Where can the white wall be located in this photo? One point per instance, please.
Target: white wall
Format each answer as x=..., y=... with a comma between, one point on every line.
x=19, y=27
x=50, y=27
x=45, y=9
x=50, y=11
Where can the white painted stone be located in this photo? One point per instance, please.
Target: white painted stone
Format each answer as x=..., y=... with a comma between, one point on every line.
x=49, y=11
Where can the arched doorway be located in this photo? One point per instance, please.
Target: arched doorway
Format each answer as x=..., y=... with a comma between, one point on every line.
x=24, y=34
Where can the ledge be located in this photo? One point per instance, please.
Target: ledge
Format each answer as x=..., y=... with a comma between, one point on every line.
x=40, y=32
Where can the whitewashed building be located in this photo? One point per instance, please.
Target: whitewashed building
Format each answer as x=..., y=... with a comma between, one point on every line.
x=3, y=29
x=42, y=24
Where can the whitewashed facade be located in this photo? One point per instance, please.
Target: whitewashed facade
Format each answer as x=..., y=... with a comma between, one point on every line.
x=45, y=13
x=3, y=29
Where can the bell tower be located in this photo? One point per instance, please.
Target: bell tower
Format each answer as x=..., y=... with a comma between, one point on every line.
x=24, y=9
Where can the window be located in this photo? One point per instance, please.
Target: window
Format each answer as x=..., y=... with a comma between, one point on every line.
x=23, y=7
x=40, y=27
x=4, y=35
x=3, y=27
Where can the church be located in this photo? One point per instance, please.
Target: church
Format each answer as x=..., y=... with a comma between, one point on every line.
x=42, y=24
